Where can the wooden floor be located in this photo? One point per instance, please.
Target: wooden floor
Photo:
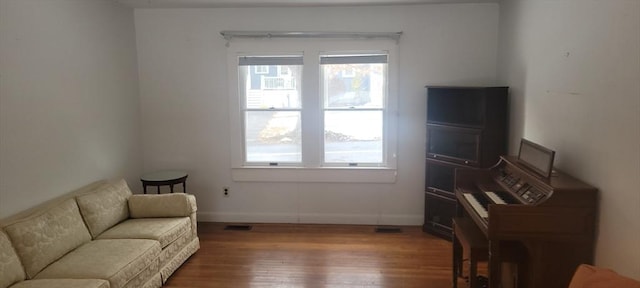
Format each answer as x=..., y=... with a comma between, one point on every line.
x=294, y=255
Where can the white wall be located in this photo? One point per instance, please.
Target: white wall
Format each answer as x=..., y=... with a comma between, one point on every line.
x=69, y=111
x=574, y=71
x=184, y=102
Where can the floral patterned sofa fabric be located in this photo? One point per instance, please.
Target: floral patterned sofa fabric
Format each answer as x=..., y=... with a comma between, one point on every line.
x=42, y=239
x=164, y=205
x=172, y=256
x=105, y=207
x=63, y=283
x=117, y=261
x=163, y=230
x=10, y=267
x=89, y=239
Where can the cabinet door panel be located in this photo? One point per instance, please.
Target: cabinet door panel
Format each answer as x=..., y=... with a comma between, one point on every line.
x=460, y=145
x=438, y=213
x=465, y=128
x=456, y=106
x=440, y=177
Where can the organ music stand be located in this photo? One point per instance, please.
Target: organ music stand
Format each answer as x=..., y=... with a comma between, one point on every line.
x=536, y=157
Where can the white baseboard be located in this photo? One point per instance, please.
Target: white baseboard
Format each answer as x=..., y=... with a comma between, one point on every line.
x=402, y=220
x=312, y=218
x=247, y=217
x=356, y=219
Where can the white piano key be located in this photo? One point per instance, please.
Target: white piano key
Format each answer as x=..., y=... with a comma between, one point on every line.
x=496, y=199
x=476, y=205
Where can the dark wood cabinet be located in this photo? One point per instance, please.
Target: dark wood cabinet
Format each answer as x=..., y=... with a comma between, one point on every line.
x=466, y=128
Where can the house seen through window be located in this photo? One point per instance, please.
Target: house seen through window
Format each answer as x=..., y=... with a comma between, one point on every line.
x=351, y=102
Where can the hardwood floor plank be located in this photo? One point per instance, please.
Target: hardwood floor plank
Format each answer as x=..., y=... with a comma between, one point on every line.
x=300, y=255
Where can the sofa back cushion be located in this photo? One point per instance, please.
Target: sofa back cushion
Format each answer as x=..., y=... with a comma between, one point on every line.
x=10, y=267
x=44, y=237
x=105, y=206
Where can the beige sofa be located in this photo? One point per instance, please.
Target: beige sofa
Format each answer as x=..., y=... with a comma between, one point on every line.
x=100, y=236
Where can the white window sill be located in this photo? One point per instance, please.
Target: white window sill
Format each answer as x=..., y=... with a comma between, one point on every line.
x=322, y=175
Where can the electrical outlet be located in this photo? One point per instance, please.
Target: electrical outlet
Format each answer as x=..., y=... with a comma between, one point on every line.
x=225, y=191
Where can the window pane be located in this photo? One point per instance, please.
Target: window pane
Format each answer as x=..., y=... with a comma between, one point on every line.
x=271, y=86
x=353, y=137
x=354, y=85
x=273, y=136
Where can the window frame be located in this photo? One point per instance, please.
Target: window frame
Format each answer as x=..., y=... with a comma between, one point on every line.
x=264, y=61
x=383, y=108
x=312, y=168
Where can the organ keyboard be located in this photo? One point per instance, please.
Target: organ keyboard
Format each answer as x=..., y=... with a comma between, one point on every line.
x=479, y=207
x=542, y=226
x=495, y=197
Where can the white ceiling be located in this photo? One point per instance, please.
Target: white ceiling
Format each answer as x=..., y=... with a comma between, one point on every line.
x=275, y=3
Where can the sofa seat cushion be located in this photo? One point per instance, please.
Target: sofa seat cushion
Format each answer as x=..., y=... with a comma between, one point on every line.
x=116, y=260
x=63, y=283
x=164, y=230
x=44, y=237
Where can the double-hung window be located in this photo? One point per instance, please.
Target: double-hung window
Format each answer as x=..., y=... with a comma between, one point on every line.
x=321, y=110
x=354, y=90
x=272, y=109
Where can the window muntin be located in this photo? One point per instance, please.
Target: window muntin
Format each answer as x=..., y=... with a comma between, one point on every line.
x=312, y=168
x=272, y=109
x=354, y=89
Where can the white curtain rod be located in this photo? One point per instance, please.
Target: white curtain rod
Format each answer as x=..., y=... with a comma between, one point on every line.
x=228, y=35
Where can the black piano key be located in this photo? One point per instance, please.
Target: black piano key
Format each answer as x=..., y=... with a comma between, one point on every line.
x=506, y=197
x=482, y=200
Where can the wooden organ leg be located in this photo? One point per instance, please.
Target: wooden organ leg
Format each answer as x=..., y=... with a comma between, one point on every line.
x=457, y=258
x=473, y=270
x=495, y=265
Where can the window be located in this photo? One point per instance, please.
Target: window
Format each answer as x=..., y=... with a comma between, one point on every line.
x=271, y=110
x=324, y=112
x=354, y=107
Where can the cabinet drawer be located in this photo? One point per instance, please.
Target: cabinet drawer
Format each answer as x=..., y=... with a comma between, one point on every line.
x=455, y=144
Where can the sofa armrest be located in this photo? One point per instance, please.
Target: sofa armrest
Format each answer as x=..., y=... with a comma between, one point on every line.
x=163, y=205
